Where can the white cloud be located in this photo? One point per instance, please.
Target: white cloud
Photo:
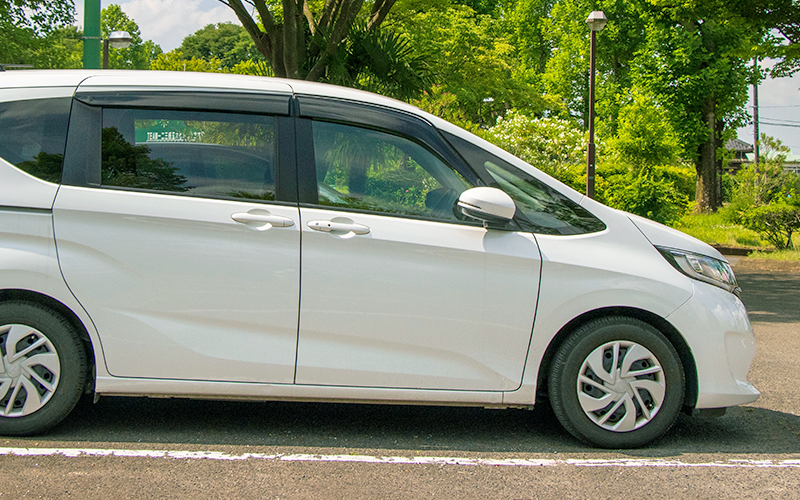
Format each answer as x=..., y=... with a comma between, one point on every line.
x=168, y=22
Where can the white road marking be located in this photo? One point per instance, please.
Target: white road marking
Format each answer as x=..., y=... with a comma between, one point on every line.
x=508, y=462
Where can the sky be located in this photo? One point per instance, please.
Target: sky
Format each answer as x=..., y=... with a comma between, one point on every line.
x=167, y=22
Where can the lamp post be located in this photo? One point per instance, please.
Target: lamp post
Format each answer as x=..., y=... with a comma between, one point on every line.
x=117, y=40
x=596, y=21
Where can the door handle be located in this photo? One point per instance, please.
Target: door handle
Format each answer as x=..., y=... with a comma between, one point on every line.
x=328, y=226
x=262, y=219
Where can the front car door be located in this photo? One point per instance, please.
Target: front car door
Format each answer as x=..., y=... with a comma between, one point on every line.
x=398, y=289
x=178, y=232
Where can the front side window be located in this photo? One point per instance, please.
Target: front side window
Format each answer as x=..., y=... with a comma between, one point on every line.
x=365, y=169
x=544, y=210
x=33, y=134
x=217, y=155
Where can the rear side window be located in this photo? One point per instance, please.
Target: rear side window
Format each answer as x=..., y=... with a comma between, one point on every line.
x=33, y=135
x=205, y=154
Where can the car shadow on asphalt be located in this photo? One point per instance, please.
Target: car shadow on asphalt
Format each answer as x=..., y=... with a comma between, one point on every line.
x=342, y=428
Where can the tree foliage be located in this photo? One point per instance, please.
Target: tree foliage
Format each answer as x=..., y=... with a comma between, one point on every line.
x=474, y=58
x=229, y=43
x=335, y=41
x=767, y=199
x=24, y=25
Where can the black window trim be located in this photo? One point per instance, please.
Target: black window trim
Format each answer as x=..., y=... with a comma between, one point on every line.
x=237, y=102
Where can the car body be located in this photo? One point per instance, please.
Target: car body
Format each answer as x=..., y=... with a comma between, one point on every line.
x=234, y=237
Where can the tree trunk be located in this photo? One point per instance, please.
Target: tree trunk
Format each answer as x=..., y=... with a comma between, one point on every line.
x=706, y=163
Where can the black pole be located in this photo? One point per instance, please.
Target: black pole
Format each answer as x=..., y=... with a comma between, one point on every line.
x=590, y=152
x=755, y=115
x=105, y=53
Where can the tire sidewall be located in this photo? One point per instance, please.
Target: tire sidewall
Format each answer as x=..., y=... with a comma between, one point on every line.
x=72, y=361
x=570, y=358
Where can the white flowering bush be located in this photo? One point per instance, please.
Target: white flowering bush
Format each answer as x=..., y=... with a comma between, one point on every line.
x=552, y=145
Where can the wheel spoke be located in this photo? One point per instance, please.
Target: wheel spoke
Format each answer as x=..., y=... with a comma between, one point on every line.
x=48, y=360
x=5, y=385
x=610, y=412
x=586, y=380
x=643, y=406
x=635, y=353
x=15, y=334
x=32, y=400
x=49, y=386
x=590, y=404
x=628, y=422
x=656, y=389
x=595, y=362
x=28, y=349
x=12, y=398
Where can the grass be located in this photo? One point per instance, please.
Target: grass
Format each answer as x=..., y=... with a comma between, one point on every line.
x=715, y=230
x=779, y=255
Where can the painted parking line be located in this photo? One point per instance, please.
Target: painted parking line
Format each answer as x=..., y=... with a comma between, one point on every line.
x=507, y=462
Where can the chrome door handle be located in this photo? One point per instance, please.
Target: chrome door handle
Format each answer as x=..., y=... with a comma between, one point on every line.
x=345, y=227
x=262, y=219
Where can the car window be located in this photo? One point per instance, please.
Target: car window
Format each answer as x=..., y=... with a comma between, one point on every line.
x=33, y=134
x=197, y=153
x=544, y=210
x=366, y=169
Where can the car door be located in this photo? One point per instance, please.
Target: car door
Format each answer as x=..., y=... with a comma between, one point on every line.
x=177, y=230
x=398, y=289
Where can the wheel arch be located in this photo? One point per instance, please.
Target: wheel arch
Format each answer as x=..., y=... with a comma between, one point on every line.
x=21, y=295
x=659, y=323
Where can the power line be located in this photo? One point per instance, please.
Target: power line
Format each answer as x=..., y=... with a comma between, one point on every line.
x=779, y=124
x=782, y=120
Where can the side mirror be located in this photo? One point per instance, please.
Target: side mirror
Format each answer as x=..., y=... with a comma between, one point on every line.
x=487, y=204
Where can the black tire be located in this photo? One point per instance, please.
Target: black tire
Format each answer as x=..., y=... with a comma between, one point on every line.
x=630, y=425
x=68, y=376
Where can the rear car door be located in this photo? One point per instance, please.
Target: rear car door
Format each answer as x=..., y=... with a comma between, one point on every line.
x=178, y=231
x=398, y=289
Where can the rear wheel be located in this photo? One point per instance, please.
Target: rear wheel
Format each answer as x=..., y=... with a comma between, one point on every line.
x=43, y=368
x=616, y=383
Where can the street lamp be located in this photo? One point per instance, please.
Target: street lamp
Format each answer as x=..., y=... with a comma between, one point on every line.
x=596, y=21
x=117, y=40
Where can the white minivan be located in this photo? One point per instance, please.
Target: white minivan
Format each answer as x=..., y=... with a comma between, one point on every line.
x=235, y=237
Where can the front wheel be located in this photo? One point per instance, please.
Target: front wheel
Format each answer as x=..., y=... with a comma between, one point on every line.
x=43, y=369
x=616, y=383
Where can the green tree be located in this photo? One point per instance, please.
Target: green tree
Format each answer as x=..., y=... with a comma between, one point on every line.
x=335, y=41
x=227, y=42
x=140, y=53
x=473, y=57
x=62, y=48
x=175, y=61
x=696, y=62
x=24, y=24
x=566, y=72
x=767, y=199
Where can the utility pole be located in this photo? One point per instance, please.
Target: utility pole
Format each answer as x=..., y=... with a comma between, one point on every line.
x=755, y=113
x=91, y=34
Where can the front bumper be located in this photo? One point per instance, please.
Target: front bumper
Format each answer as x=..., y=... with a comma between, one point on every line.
x=715, y=325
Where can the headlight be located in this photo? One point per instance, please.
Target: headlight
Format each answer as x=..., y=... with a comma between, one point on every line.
x=702, y=268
